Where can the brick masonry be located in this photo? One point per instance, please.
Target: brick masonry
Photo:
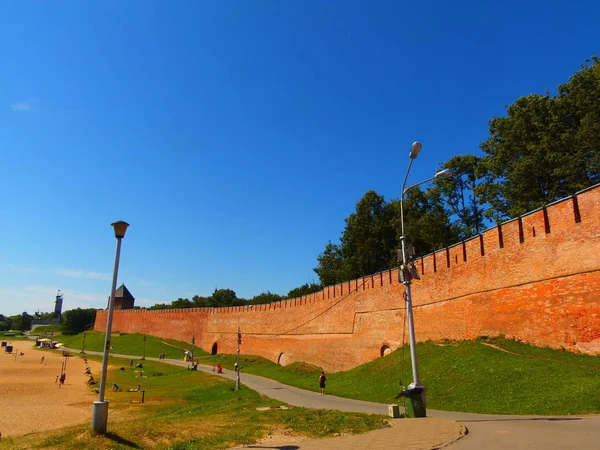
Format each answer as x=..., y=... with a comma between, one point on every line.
x=535, y=278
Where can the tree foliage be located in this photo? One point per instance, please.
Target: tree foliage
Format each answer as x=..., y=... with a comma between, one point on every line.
x=545, y=149
x=21, y=322
x=460, y=194
x=305, y=289
x=371, y=238
x=265, y=297
x=5, y=323
x=75, y=321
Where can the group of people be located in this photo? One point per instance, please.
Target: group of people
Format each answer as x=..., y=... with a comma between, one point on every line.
x=162, y=356
x=218, y=368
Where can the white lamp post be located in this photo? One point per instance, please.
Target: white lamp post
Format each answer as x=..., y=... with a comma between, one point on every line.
x=100, y=407
x=406, y=276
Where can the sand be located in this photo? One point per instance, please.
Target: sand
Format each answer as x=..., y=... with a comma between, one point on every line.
x=31, y=401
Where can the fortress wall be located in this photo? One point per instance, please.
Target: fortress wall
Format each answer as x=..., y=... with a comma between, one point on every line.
x=534, y=278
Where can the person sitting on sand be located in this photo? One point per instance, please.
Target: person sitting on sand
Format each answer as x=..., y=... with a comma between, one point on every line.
x=88, y=371
x=116, y=387
x=135, y=390
x=91, y=380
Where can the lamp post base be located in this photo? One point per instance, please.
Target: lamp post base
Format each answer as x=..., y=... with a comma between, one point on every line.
x=99, y=416
x=415, y=396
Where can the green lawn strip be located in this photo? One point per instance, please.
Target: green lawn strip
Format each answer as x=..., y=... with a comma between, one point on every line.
x=460, y=376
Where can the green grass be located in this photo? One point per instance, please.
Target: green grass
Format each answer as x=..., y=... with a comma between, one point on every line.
x=131, y=344
x=191, y=410
x=460, y=376
x=46, y=329
x=463, y=376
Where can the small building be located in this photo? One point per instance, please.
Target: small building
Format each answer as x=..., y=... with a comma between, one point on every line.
x=123, y=298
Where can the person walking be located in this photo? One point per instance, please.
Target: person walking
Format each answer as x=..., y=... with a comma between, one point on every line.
x=322, y=379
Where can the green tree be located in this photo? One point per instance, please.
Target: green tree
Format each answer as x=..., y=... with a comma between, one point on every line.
x=305, y=289
x=200, y=302
x=21, y=322
x=546, y=148
x=74, y=321
x=331, y=268
x=5, y=323
x=225, y=297
x=368, y=242
x=426, y=222
x=182, y=303
x=265, y=297
x=459, y=194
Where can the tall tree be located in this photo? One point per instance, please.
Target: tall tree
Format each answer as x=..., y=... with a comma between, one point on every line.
x=21, y=322
x=426, y=221
x=331, y=267
x=5, y=323
x=459, y=193
x=75, y=321
x=546, y=147
x=369, y=239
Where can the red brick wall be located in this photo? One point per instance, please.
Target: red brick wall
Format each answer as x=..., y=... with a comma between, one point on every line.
x=535, y=278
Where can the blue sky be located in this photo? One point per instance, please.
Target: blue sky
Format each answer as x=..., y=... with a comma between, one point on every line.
x=236, y=136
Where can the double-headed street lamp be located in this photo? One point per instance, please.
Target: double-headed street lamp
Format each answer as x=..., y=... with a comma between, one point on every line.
x=100, y=407
x=416, y=390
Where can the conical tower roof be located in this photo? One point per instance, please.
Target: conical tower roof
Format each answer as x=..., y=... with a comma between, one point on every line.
x=123, y=292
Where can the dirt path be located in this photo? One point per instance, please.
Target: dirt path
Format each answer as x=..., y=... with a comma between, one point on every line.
x=30, y=399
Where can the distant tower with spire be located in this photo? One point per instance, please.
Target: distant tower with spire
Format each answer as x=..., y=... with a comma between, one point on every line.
x=58, y=305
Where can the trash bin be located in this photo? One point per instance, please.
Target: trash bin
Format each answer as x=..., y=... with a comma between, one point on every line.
x=415, y=402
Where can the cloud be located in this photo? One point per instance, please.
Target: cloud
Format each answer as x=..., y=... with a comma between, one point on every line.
x=22, y=106
x=80, y=273
x=20, y=268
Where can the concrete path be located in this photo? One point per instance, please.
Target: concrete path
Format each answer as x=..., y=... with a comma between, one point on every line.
x=439, y=429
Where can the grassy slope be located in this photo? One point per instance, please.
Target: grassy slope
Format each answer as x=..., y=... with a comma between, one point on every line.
x=463, y=376
x=460, y=376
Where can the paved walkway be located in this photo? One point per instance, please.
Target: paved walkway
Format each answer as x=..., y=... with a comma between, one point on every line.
x=439, y=429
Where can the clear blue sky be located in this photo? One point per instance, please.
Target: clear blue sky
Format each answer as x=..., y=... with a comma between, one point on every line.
x=236, y=136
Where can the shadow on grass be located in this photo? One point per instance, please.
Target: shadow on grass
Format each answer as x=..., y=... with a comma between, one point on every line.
x=550, y=419
x=280, y=447
x=120, y=440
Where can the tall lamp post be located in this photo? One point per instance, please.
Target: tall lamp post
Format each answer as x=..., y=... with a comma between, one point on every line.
x=416, y=390
x=100, y=407
x=84, y=331
x=237, y=360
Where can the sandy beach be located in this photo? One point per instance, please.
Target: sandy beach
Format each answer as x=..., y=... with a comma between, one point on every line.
x=31, y=401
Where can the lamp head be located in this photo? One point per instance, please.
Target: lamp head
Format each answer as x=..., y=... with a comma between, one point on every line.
x=415, y=148
x=120, y=228
x=446, y=173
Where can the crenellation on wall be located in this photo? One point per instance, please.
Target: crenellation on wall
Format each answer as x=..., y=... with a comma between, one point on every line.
x=510, y=235
x=543, y=287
